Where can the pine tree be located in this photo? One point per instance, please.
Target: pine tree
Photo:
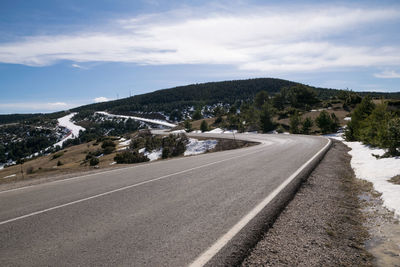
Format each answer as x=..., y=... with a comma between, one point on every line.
x=204, y=126
x=265, y=120
x=307, y=125
x=294, y=123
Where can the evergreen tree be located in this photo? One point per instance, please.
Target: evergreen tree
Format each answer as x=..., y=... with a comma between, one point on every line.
x=188, y=126
x=307, y=125
x=204, y=126
x=197, y=115
x=260, y=99
x=324, y=122
x=265, y=120
x=294, y=123
x=360, y=113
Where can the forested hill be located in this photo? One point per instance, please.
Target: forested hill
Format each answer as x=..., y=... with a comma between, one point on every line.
x=196, y=95
x=227, y=92
x=192, y=95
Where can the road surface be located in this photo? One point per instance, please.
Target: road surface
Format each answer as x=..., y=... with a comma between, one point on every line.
x=165, y=213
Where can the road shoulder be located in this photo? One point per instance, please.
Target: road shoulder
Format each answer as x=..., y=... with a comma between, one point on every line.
x=322, y=225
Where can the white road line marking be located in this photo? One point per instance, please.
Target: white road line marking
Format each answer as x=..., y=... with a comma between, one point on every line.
x=91, y=174
x=123, y=188
x=207, y=255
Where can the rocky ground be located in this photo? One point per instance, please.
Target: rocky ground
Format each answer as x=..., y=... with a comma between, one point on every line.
x=324, y=225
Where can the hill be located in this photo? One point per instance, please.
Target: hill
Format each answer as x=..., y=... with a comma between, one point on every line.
x=194, y=95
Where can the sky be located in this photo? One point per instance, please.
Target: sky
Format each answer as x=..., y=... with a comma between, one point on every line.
x=55, y=55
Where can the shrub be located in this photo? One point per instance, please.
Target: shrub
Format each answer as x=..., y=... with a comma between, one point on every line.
x=137, y=143
x=108, y=150
x=204, y=126
x=59, y=163
x=188, y=126
x=325, y=122
x=108, y=143
x=294, y=122
x=94, y=161
x=130, y=157
x=29, y=170
x=265, y=120
x=57, y=155
x=307, y=125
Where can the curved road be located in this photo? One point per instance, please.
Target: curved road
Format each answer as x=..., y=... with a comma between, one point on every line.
x=166, y=213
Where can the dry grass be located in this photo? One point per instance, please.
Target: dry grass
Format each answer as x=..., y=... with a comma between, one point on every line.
x=196, y=124
x=340, y=114
x=72, y=159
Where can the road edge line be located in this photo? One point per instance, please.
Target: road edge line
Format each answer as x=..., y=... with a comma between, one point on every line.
x=206, y=256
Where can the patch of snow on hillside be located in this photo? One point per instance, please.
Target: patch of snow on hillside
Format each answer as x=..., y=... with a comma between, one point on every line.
x=216, y=130
x=376, y=171
x=158, y=122
x=72, y=128
x=154, y=155
x=195, y=146
x=347, y=119
x=178, y=132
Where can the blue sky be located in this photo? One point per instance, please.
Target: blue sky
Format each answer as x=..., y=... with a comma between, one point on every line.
x=56, y=55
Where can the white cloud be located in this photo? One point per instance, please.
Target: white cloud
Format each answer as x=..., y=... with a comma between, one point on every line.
x=79, y=66
x=34, y=107
x=101, y=99
x=388, y=74
x=259, y=39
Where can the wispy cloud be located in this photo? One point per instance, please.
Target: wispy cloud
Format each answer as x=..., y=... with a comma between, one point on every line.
x=256, y=39
x=388, y=74
x=101, y=99
x=79, y=67
x=6, y=108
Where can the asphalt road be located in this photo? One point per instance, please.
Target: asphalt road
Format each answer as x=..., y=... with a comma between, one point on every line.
x=165, y=213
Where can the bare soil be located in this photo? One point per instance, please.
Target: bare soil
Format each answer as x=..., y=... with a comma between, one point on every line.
x=323, y=225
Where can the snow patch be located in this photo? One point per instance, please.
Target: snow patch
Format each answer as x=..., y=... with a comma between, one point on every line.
x=216, y=130
x=125, y=143
x=178, y=132
x=9, y=176
x=195, y=147
x=347, y=119
x=158, y=122
x=154, y=155
x=376, y=171
x=73, y=129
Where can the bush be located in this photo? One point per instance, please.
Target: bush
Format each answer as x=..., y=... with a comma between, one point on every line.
x=294, y=122
x=57, y=155
x=130, y=157
x=29, y=170
x=188, y=126
x=204, y=126
x=94, y=161
x=108, y=143
x=137, y=143
x=307, y=125
x=327, y=123
x=108, y=150
x=59, y=163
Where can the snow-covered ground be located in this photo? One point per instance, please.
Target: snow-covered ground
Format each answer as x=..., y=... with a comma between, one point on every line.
x=72, y=128
x=158, y=122
x=195, y=146
x=154, y=155
x=376, y=171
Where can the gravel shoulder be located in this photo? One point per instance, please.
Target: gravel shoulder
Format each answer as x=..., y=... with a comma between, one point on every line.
x=323, y=225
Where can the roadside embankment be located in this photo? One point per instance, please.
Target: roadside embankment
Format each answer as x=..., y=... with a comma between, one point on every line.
x=322, y=225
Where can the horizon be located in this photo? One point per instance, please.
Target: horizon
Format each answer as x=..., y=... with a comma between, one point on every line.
x=188, y=85
x=55, y=56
